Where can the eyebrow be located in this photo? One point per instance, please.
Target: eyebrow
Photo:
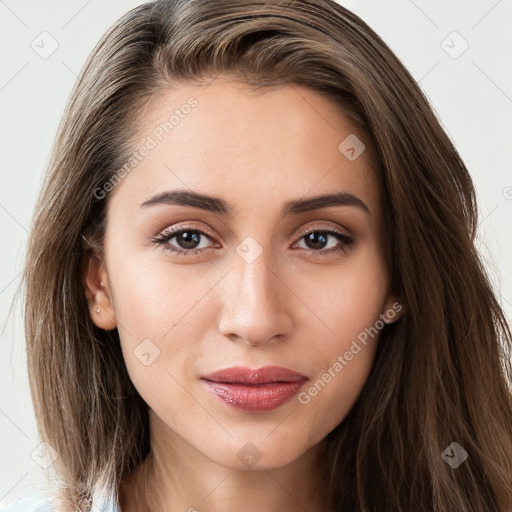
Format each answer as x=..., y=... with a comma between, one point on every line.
x=219, y=206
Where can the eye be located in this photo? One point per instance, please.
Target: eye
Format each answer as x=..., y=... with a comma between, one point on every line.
x=188, y=240
x=317, y=241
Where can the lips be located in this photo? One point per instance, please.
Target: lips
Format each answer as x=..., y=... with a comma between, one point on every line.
x=259, y=390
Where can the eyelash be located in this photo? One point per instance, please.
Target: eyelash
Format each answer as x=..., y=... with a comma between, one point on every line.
x=167, y=235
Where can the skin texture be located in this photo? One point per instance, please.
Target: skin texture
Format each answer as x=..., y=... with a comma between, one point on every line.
x=289, y=307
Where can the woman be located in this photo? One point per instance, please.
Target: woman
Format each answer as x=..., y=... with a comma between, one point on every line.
x=252, y=279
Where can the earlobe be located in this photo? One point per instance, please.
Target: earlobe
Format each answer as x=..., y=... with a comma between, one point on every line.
x=97, y=292
x=393, y=311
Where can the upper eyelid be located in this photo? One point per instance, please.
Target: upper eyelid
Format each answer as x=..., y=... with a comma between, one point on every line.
x=329, y=229
x=173, y=231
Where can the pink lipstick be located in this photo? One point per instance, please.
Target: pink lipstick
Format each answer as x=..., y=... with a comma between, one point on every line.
x=259, y=390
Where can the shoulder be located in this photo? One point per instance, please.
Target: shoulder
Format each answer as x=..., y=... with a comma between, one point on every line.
x=30, y=505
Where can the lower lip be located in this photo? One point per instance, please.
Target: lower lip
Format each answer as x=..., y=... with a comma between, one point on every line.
x=254, y=398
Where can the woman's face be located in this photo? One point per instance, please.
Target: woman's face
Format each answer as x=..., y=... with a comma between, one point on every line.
x=265, y=276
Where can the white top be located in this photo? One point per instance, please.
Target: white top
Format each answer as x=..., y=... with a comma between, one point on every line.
x=30, y=504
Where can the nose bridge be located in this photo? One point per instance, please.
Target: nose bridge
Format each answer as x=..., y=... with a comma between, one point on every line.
x=255, y=302
x=254, y=279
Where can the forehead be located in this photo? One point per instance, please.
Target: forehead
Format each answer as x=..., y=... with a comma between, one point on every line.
x=230, y=141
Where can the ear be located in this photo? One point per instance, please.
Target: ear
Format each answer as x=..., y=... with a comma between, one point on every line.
x=393, y=309
x=97, y=291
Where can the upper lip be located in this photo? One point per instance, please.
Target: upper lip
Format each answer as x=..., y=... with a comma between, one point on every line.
x=245, y=375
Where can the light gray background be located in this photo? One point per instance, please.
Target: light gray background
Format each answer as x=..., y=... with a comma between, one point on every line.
x=472, y=95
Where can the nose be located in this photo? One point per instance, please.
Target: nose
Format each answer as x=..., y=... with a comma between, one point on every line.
x=256, y=302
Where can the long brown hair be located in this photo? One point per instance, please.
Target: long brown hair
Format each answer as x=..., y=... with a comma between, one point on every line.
x=442, y=373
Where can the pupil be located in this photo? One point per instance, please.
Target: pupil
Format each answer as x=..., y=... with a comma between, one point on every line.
x=315, y=238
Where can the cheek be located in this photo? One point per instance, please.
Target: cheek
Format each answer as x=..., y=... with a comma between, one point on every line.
x=351, y=304
x=152, y=296
x=348, y=299
x=154, y=303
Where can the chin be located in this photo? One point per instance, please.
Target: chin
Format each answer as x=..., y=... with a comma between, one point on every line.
x=258, y=452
